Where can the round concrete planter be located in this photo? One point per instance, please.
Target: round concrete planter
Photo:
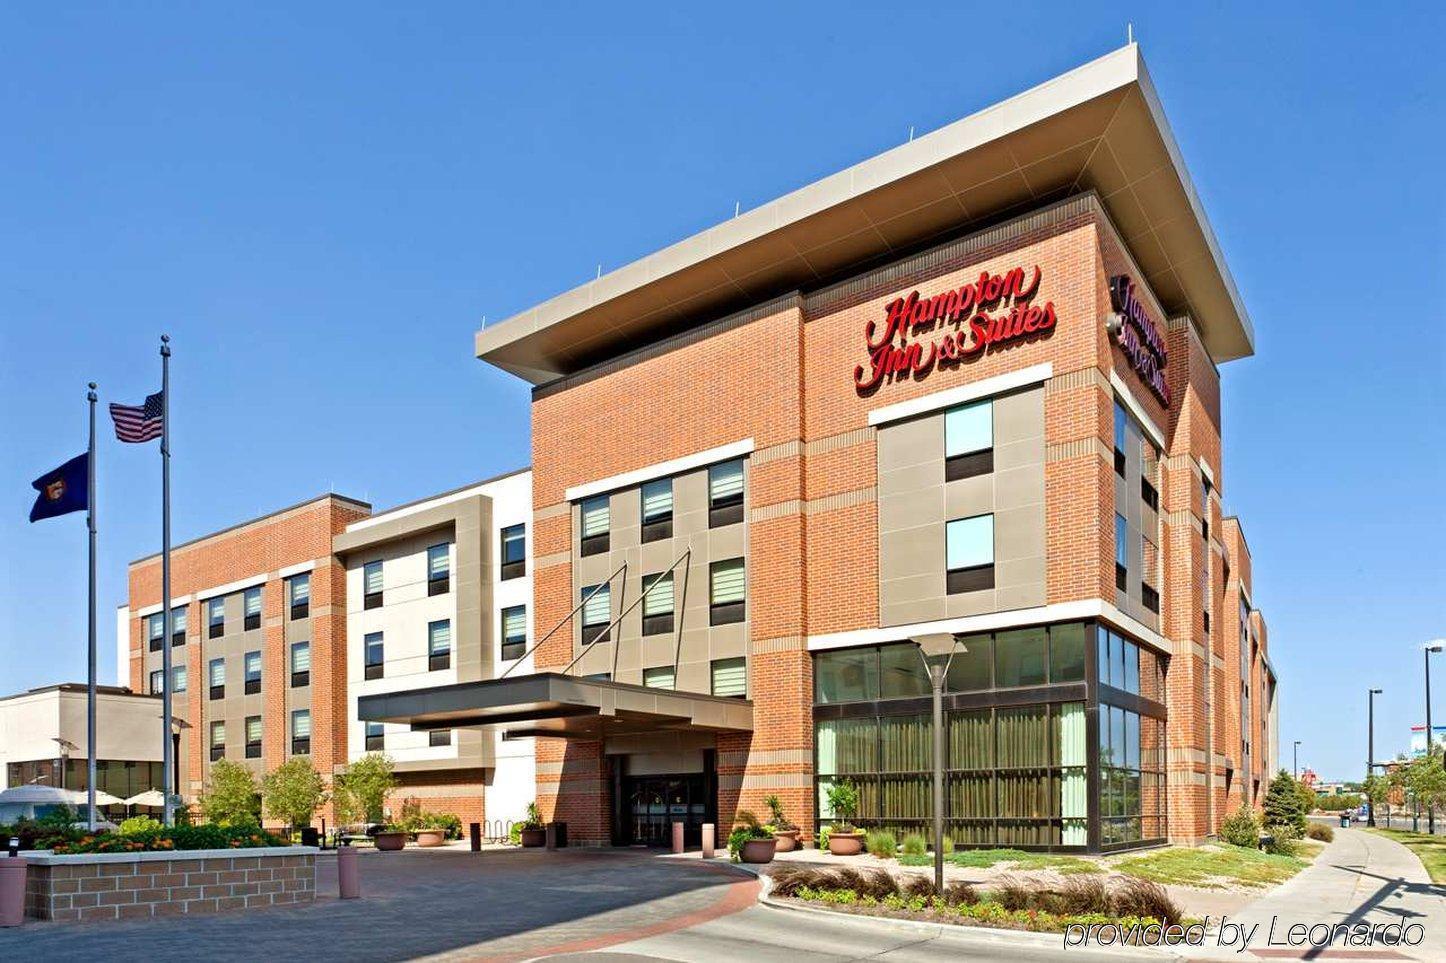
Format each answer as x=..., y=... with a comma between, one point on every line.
x=533, y=838
x=389, y=842
x=757, y=851
x=845, y=844
x=787, y=840
x=431, y=837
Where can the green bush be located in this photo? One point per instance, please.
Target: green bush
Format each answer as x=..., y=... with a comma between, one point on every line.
x=533, y=819
x=231, y=796
x=37, y=835
x=915, y=844
x=741, y=834
x=162, y=839
x=138, y=825
x=881, y=843
x=1284, y=808
x=514, y=835
x=1241, y=828
x=1321, y=832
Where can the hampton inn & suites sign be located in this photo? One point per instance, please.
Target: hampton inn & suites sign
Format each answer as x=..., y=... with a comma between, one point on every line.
x=1138, y=337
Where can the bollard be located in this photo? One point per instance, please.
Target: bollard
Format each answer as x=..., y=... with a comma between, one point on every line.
x=12, y=887
x=475, y=830
x=708, y=831
x=348, y=880
x=677, y=837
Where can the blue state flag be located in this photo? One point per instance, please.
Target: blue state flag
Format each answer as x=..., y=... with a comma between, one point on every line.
x=64, y=490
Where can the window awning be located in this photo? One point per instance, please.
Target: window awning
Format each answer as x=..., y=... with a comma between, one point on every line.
x=561, y=706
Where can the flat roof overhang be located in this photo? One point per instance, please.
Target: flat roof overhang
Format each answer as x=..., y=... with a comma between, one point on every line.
x=563, y=706
x=1098, y=127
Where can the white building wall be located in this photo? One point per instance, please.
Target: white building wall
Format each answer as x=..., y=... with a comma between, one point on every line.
x=123, y=645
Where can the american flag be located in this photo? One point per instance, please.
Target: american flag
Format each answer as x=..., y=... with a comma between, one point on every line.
x=136, y=423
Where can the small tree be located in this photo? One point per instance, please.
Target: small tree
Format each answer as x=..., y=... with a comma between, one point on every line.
x=293, y=792
x=230, y=796
x=365, y=786
x=1377, y=788
x=1284, y=815
x=843, y=800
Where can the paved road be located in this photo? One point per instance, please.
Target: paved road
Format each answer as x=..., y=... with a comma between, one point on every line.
x=1399, y=821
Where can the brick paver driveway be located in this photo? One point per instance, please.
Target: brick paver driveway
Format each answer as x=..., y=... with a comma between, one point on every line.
x=510, y=904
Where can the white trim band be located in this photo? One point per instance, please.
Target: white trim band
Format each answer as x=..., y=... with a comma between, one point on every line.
x=1133, y=403
x=176, y=601
x=296, y=569
x=662, y=469
x=1206, y=473
x=950, y=397
x=994, y=621
x=230, y=587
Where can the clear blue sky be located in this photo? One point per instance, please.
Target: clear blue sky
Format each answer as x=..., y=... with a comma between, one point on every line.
x=320, y=205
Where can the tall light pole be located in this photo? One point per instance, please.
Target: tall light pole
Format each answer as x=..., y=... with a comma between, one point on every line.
x=1430, y=648
x=1371, y=751
x=1295, y=759
x=937, y=651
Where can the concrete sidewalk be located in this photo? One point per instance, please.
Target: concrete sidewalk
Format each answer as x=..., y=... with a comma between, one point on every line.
x=1359, y=878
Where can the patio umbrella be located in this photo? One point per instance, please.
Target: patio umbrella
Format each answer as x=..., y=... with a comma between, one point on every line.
x=151, y=797
x=38, y=795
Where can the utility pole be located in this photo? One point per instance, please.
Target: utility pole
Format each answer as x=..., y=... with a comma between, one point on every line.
x=1371, y=751
x=1295, y=759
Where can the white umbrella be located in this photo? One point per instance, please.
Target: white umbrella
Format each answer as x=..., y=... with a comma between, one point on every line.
x=151, y=797
x=38, y=795
x=102, y=798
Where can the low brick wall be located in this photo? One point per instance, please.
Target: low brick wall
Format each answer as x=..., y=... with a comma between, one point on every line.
x=108, y=886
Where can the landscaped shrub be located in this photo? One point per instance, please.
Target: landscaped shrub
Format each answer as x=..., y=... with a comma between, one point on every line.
x=1280, y=843
x=1284, y=808
x=843, y=800
x=916, y=886
x=788, y=879
x=35, y=834
x=138, y=825
x=1144, y=899
x=1080, y=895
x=915, y=845
x=1011, y=893
x=960, y=894
x=881, y=843
x=1321, y=832
x=777, y=819
x=178, y=838
x=948, y=845
x=1241, y=828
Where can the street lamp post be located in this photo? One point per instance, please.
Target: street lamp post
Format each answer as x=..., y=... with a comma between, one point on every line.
x=1371, y=751
x=1430, y=647
x=1295, y=759
x=937, y=651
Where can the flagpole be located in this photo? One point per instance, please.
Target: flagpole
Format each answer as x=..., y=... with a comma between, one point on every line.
x=168, y=812
x=90, y=681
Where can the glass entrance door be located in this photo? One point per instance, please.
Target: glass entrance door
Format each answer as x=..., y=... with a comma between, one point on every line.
x=654, y=803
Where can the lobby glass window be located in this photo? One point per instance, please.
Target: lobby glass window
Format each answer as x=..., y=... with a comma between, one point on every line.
x=659, y=677
x=596, y=613
x=218, y=740
x=969, y=440
x=901, y=672
x=178, y=678
x=158, y=681
x=439, y=569
x=216, y=618
x=439, y=737
x=1132, y=778
x=252, y=665
x=730, y=677
x=726, y=590
x=846, y=675
x=972, y=668
x=300, y=664
x=376, y=737
x=1067, y=652
x=658, y=604
x=251, y=607
x=178, y=625
x=969, y=554
x=1122, y=553
x=1120, y=435
x=657, y=496
x=301, y=732
x=155, y=631
x=372, y=585
x=596, y=522
x=514, y=551
x=439, y=645
x=1123, y=665
x=253, y=737
x=514, y=632
x=1019, y=658
x=1149, y=574
x=725, y=494
x=298, y=589
x=373, y=655
x=217, y=671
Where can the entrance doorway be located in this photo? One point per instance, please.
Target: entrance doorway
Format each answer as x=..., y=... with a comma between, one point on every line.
x=651, y=804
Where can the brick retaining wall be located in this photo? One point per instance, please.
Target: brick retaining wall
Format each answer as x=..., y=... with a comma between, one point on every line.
x=107, y=886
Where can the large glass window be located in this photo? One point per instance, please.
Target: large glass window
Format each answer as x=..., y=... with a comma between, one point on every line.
x=969, y=440
x=969, y=553
x=1132, y=779
x=1067, y=652
x=1019, y=658
x=901, y=672
x=973, y=666
x=846, y=675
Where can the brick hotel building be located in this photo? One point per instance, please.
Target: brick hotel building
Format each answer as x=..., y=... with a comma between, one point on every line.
x=967, y=386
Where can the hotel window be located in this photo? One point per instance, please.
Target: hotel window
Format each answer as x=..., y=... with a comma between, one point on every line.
x=376, y=737
x=596, y=613
x=439, y=645
x=1020, y=658
x=595, y=524
x=969, y=554
x=218, y=678
x=514, y=632
x=969, y=440
x=658, y=604
x=301, y=732
x=253, y=737
x=373, y=656
x=372, y=585
x=251, y=608
x=1149, y=575
x=439, y=568
x=158, y=677
x=726, y=592
x=216, y=618
x=178, y=678
x=1132, y=779
x=155, y=631
x=439, y=737
x=1119, y=439
x=298, y=588
x=1205, y=516
x=657, y=509
x=178, y=625
x=1122, y=553
x=730, y=677
x=514, y=551
x=725, y=494
x=1124, y=665
x=1149, y=470
x=253, y=672
x=218, y=740
x=659, y=677
x=300, y=664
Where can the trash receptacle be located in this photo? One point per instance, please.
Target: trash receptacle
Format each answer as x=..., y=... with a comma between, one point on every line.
x=12, y=890
x=556, y=835
x=1345, y=820
x=310, y=836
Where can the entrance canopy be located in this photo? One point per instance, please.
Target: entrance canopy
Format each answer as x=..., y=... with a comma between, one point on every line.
x=562, y=706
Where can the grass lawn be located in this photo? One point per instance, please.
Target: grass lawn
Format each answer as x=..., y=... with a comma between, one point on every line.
x=1431, y=849
x=1020, y=860
x=1215, y=867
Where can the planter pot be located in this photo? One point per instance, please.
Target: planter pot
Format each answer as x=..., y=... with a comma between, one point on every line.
x=390, y=841
x=532, y=838
x=787, y=840
x=431, y=837
x=846, y=844
x=757, y=851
